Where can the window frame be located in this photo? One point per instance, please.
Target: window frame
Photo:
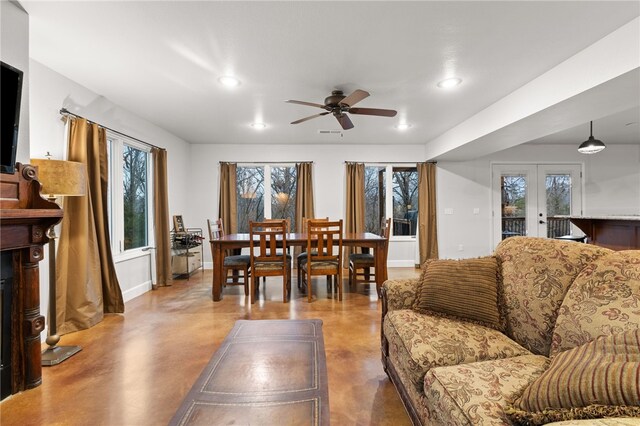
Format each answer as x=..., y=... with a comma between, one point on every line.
x=388, y=204
x=267, y=200
x=116, y=196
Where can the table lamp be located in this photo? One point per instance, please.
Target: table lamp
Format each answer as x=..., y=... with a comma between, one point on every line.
x=58, y=179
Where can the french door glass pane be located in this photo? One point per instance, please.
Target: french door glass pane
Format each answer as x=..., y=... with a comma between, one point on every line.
x=514, y=198
x=558, y=191
x=135, y=197
x=374, y=198
x=405, y=200
x=250, y=192
x=283, y=193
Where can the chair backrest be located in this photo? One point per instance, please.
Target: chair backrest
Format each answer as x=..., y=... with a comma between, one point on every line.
x=306, y=220
x=215, y=228
x=325, y=237
x=268, y=241
x=386, y=232
x=278, y=221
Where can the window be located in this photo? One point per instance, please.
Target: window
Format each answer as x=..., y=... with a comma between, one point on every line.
x=128, y=193
x=402, y=189
x=405, y=200
x=254, y=204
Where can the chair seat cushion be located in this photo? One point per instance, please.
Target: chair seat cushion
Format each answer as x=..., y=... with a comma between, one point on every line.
x=302, y=256
x=363, y=258
x=267, y=266
x=239, y=260
x=329, y=264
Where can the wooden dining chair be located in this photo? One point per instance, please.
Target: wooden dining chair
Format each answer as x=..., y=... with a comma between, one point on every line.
x=324, y=253
x=360, y=264
x=303, y=256
x=268, y=252
x=234, y=264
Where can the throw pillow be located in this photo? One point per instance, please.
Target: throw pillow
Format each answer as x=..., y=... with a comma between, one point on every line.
x=466, y=289
x=598, y=379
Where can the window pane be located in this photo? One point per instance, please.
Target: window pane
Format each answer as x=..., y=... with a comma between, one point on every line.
x=283, y=193
x=374, y=198
x=514, y=192
x=405, y=200
x=135, y=197
x=250, y=191
x=558, y=188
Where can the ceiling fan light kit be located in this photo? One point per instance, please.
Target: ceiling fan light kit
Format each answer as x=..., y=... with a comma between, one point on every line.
x=591, y=145
x=229, y=81
x=339, y=105
x=403, y=126
x=258, y=126
x=449, y=83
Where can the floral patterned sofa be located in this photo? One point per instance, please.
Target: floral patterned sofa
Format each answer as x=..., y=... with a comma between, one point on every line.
x=553, y=296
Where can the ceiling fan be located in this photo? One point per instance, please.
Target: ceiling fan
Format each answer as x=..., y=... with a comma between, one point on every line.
x=338, y=104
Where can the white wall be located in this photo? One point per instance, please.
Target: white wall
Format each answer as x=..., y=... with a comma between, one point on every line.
x=611, y=185
x=14, y=50
x=50, y=92
x=329, y=179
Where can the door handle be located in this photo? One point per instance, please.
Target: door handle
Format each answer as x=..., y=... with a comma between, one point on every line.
x=541, y=221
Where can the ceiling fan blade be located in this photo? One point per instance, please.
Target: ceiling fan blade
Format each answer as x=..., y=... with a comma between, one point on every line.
x=305, y=103
x=373, y=111
x=344, y=121
x=354, y=98
x=309, y=118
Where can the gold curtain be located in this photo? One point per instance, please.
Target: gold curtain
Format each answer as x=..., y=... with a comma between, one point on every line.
x=354, y=219
x=304, y=197
x=228, y=204
x=86, y=282
x=161, y=218
x=428, y=233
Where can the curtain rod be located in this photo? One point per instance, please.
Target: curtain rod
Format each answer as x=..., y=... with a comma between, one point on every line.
x=391, y=162
x=65, y=111
x=266, y=162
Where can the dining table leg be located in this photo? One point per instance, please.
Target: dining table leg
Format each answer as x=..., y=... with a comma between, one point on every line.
x=381, y=268
x=217, y=272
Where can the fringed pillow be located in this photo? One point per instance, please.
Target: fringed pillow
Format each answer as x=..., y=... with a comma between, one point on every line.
x=598, y=379
x=466, y=289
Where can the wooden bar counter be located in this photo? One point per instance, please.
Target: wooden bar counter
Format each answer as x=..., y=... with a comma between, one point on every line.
x=614, y=232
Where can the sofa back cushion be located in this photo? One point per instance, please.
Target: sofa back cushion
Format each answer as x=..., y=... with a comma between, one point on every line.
x=603, y=299
x=536, y=274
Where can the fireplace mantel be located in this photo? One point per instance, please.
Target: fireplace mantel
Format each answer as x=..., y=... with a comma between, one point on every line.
x=25, y=218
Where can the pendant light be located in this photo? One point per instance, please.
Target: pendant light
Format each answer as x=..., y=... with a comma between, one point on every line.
x=591, y=145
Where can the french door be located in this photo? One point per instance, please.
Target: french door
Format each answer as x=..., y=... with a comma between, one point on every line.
x=535, y=199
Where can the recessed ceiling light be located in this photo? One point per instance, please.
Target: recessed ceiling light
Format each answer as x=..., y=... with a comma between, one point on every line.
x=403, y=126
x=258, y=126
x=229, y=81
x=449, y=83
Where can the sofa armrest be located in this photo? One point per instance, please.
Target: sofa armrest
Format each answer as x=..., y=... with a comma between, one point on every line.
x=400, y=293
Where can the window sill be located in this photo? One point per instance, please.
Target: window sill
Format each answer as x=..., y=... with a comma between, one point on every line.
x=130, y=254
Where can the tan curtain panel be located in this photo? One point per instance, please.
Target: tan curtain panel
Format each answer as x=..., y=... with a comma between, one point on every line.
x=354, y=218
x=161, y=218
x=428, y=232
x=304, y=194
x=304, y=197
x=86, y=282
x=228, y=203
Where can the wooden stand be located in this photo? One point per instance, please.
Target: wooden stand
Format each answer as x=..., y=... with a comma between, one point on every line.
x=25, y=218
x=614, y=232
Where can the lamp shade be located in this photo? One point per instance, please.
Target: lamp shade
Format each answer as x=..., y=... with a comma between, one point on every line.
x=61, y=178
x=591, y=145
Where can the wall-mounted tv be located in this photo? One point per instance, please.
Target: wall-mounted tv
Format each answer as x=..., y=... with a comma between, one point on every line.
x=11, y=94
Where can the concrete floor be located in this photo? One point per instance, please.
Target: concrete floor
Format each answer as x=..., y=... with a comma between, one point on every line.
x=135, y=369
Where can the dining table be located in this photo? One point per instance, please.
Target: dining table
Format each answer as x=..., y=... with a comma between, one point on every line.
x=365, y=240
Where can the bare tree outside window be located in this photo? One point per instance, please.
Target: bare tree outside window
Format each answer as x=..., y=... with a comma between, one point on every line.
x=405, y=200
x=135, y=197
x=514, y=192
x=558, y=189
x=283, y=193
x=374, y=198
x=250, y=192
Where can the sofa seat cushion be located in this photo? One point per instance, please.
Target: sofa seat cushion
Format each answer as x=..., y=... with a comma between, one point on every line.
x=478, y=393
x=604, y=299
x=419, y=342
x=607, y=421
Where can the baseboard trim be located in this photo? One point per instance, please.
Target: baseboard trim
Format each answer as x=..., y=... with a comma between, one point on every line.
x=407, y=263
x=136, y=291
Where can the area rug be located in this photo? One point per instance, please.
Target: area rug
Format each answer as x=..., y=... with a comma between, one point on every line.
x=265, y=372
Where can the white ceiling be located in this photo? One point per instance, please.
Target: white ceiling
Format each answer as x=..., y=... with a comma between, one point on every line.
x=161, y=61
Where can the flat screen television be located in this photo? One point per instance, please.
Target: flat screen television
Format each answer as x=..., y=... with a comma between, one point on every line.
x=11, y=94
